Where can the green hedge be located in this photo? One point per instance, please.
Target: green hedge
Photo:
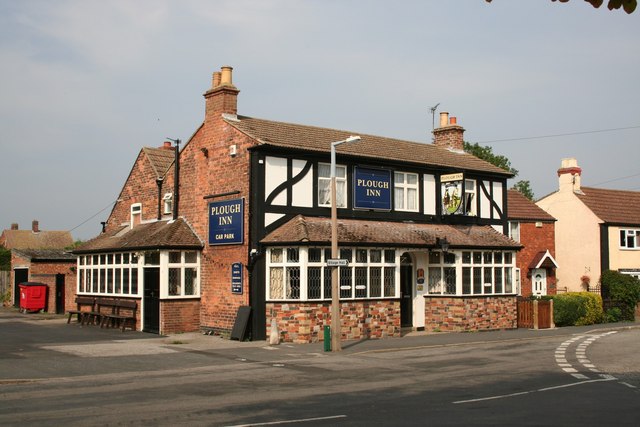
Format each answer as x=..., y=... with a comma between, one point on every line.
x=621, y=293
x=577, y=308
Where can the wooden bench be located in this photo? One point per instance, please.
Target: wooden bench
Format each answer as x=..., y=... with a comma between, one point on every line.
x=121, y=312
x=94, y=316
x=82, y=302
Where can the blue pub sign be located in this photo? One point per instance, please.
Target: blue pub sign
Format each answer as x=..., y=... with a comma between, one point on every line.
x=372, y=189
x=226, y=222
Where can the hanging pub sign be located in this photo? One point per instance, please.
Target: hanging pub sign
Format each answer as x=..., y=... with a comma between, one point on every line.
x=451, y=191
x=236, y=278
x=372, y=189
x=226, y=222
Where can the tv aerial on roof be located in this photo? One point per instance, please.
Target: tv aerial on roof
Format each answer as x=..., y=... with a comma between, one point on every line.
x=433, y=115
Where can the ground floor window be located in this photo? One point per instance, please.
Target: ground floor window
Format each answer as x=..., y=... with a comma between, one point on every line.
x=471, y=273
x=120, y=273
x=301, y=273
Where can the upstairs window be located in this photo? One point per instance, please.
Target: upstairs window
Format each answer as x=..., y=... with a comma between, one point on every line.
x=629, y=239
x=324, y=185
x=514, y=231
x=470, y=197
x=167, y=202
x=406, y=191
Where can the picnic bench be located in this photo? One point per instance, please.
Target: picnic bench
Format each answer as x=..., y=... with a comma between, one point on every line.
x=81, y=302
x=118, y=313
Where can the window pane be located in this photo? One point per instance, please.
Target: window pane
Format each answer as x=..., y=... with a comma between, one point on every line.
x=449, y=258
x=293, y=282
x=466, y=280
x=435, y=280
x=361, y=282
x=341, y=194
x=327, y=282
x=175, y=257
x=81, y=280
x=346, y=282
x=488, y=280
x=361, y=255
x=466, y=257
x=390, y=256
x=110, y=280
x=315, y=255
x=134, y=281
x=174, y=281
x=314, y=282
x=412, y=199
x=191, y=257
x=399, y=198
x=389, y=282
x=477, y=280
x=498, y=279
x=508, y=258
x=497, y=257
x=118, y=281
x=346, y=254
x=102, y=280
x=375, y=282
x=398, y=178
x=152, y=258
x=190, y=280
x=125, y=258
x=293, y=255
x=276, y=285
x=125, y=280
x=508, y=280
x=341, y=171
x=276, y=255
x=434, y=257
x=324, y=192
x=324, y=170
x=477, y=257
x=412, y=179
x=450, y=280
x=118, y=258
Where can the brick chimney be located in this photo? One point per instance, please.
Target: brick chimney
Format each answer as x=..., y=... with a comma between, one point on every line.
x=569, y=176
x=222, y=97
x=34, y=226
x=14, y=226
x=449, y=134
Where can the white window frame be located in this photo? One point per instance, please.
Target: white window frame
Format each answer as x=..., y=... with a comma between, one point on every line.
x=324, y=184
x=486, y=267
x=387, y=266
x=167, y=203
x=514, y=231
x=406, y=189
x=630, y=233
x=95, y=270
x=470, y=206
x=182, y=265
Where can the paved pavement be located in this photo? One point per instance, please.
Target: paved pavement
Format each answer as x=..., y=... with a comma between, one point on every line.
x=74, y=339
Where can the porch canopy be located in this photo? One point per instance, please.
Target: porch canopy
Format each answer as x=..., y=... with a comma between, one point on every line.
x=174, y=234
x=303, y=230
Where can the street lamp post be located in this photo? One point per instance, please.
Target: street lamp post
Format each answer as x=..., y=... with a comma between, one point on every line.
x=336, y=332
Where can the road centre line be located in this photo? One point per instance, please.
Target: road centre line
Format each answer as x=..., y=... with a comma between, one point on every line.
x=302, y=420
x=504, y=396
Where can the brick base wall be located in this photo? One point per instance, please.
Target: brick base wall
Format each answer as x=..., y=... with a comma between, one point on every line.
x=179, y=316
x=449, y=314
x=304, y=322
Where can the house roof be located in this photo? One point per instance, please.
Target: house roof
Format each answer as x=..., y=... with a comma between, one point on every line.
x=154, y=235
x=612, y=206
x=28, y=239
x=46, y=254
x=313, y=230
x=543, y=259
x=310, y=138
x=521, y=208
x=161, y=159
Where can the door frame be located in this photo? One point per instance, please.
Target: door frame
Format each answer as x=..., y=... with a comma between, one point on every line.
x=60, y=293
x=148, y=301
x=543, y=280
x=406, y=290
x=16, y=283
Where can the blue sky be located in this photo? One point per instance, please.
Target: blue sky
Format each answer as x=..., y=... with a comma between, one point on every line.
x=85, y=84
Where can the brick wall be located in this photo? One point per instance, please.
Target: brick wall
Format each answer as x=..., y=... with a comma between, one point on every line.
x=456, y=314
x=178, y=316
x=535, y=239
x=304, y=322
x=45, y=272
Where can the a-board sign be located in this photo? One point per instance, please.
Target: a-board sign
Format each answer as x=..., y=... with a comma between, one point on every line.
x=239, y=331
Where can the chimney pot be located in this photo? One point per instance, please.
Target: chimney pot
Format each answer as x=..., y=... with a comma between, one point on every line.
x=226, y=78
x=167, y=145
x=34, y=226
x=217, y=75
x=453, y=121
x=14, y=226
x=444, y=119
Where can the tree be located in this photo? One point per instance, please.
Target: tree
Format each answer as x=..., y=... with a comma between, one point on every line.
x=629, y=6
x=486, y=154
x=5, y=259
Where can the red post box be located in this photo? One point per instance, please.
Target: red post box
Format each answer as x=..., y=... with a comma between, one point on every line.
x=33, y=296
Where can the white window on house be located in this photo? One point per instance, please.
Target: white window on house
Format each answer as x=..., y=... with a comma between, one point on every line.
x=182, y=269
x=167, y=202
x=514, y=231
x=406, y=191
x=113, y=274
x=629, y=239
x=471, y=273
x=136, y=213
x=470, y=204
x=324, y=185
x=302, y=274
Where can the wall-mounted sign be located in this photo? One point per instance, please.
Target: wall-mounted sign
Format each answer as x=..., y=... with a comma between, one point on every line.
x=372, y=189
x=226, y=222
x=236, y=278
x=451, y=190
x=420, y=276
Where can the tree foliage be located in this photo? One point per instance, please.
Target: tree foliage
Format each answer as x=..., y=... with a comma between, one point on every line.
x=628, y=6
x=486, y=153
x=624, y=292
x=5, y=259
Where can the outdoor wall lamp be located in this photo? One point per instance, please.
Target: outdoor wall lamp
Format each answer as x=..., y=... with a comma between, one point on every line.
x=443, y=244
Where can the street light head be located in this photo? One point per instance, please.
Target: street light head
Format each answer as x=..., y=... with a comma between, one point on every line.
x=352, y=138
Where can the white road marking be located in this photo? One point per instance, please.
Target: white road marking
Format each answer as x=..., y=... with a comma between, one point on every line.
x=301, y=420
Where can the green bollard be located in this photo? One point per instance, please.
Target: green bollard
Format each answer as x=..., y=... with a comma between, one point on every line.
x=327, y=338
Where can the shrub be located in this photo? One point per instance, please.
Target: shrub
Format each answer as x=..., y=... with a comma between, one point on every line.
x=577, y=308
x=620, y=291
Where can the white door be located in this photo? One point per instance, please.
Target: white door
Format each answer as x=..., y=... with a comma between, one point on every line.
x=539, y=279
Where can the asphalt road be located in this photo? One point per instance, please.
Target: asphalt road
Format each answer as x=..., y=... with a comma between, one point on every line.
x=57, y=374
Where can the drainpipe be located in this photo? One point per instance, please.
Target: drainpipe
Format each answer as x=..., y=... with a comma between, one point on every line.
x=176, y=178
x=159, y=182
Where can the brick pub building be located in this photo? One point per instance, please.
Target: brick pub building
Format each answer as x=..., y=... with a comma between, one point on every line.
x=244, y=221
